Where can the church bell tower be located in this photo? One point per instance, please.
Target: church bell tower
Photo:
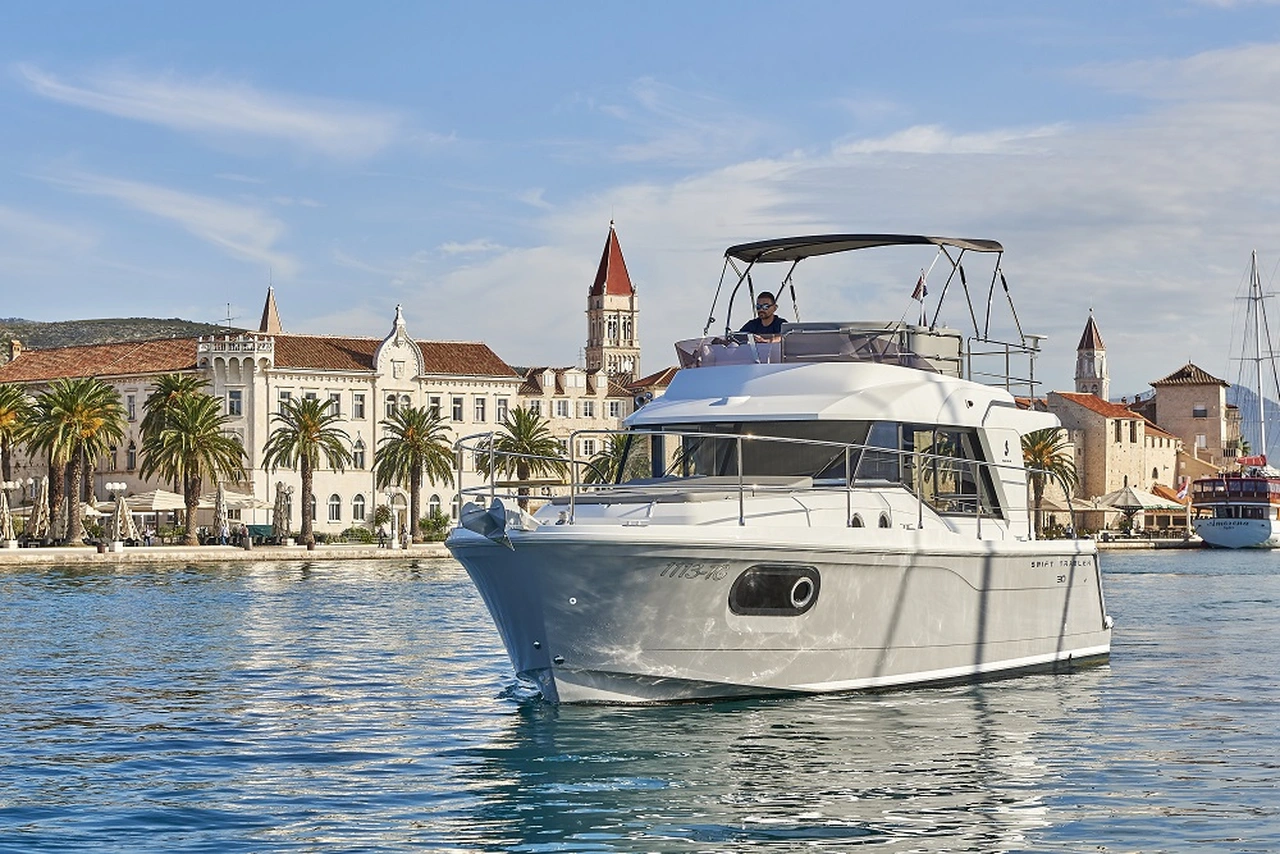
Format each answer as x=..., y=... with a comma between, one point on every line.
x=1091, y=362
x=613, y=341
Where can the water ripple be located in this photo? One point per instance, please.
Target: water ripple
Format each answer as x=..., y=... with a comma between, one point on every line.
x=369, y=707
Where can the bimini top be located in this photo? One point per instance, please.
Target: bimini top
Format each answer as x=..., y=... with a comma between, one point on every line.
x=799, y=248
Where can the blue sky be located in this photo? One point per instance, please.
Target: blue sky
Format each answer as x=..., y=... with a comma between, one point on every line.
x=464, y=160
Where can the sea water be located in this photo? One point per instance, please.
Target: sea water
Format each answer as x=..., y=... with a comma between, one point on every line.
x=370, y=707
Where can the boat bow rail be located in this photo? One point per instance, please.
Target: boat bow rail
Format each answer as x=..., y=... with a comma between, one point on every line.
x=938, y=485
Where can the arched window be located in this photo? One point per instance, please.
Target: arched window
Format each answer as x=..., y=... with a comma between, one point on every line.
x=405, y=403
x=433, y=505
x=453, y=507
x=357, y=509
x=1155, y=473
x=313, y=507
x=357, y=454
x=391, y=405
x=335, y=508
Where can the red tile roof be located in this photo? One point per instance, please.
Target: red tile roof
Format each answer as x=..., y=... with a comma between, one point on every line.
x=661, y=379
x=611, y=277
x=102, y=360
x=301, y=352
x=1189, y=374
x=1098, y=405
x=1114, y=410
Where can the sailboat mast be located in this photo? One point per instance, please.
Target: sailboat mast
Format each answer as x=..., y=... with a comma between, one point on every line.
x=1255, y=295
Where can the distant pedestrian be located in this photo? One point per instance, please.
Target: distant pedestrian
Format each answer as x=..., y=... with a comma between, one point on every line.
x=223, y=533
x=406, y=538
x=382, y=537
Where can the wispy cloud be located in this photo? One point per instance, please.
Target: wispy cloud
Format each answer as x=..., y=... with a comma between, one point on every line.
x=932, y=139
x=473, y=247
x=32, y=230
x=678, y=126
x=241, y=231
x=221, y=107
x=238, y=178
x=1233, y=74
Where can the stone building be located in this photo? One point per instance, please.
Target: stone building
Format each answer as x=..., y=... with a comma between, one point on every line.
x=1115, y=447
x=1192, y=404
x=363, y=379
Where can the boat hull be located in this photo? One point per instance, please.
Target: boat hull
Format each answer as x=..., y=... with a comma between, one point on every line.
x=599, y=618
x=1227, y=533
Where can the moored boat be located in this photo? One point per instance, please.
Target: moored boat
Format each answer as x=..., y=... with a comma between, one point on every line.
x=1242, y=507
x=843, y=508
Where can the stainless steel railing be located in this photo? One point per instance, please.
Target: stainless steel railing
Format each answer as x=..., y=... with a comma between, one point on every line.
x=912, y=467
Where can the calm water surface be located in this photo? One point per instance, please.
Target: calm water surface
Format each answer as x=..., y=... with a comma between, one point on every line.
x=370, y=707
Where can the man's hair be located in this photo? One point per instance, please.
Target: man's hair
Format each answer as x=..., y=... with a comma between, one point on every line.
x=763, y=294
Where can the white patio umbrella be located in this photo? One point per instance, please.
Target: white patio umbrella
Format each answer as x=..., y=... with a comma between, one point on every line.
x=38, y=524
x=157, y=500
x=220, y=519
x=279, y=517
x=6, y=519
x=1131, y=500
x=121, y=527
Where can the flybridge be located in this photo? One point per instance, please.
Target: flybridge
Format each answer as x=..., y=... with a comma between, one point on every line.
x=978, y=354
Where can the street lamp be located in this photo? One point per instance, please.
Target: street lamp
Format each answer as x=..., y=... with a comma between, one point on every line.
x=115, y=490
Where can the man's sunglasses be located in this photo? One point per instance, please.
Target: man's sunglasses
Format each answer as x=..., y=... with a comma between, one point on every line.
x=763, y=306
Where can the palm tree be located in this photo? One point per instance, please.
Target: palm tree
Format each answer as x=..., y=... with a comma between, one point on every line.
x=306, y=430
x=164, y=396
x=188, y=445
x=1046, y=452
x=526, y=448
x=415, y=442
x=15, y=415
x=76, y=421
x=613, y=457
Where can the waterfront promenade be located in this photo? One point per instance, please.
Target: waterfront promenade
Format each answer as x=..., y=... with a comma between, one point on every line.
x=213, y=554
x=338, y=551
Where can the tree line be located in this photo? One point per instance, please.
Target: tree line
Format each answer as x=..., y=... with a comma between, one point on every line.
x=76, y=422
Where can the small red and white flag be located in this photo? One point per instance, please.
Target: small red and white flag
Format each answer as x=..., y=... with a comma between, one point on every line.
x=1186, y=486
x=922, y=290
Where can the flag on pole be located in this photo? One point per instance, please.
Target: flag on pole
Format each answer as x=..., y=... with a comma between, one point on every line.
x=1186, y=486
x=921, y=290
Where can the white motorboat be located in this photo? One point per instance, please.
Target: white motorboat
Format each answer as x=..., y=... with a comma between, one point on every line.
x=1242, y=507
x=843, y=509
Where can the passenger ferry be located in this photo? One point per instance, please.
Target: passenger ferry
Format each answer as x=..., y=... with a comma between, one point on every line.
x=843, y=509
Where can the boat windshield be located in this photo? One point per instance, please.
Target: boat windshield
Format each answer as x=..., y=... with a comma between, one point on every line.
x=944, y=464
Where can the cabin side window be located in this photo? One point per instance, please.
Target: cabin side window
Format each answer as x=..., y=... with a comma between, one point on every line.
x=944, y=465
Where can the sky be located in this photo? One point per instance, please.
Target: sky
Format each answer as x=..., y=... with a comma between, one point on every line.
x=464, y=160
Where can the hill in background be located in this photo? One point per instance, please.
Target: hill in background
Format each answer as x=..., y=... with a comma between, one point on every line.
x=37, y=335
x=1248, y=403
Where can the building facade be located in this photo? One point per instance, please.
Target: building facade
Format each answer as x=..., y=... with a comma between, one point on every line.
x=364, y=380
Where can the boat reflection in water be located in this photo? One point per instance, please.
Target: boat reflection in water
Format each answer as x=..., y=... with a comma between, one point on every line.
x=966, y=768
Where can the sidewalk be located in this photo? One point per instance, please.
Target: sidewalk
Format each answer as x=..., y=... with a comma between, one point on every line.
x=214, y=554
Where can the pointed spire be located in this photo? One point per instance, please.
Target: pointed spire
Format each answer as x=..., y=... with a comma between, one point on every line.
x=612, y=277
x=1092, y=338
x=270, y=324
x=398, y=331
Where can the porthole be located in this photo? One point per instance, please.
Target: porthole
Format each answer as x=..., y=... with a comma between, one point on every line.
x=775, y=590
x=884, y=521
x=856, y=522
